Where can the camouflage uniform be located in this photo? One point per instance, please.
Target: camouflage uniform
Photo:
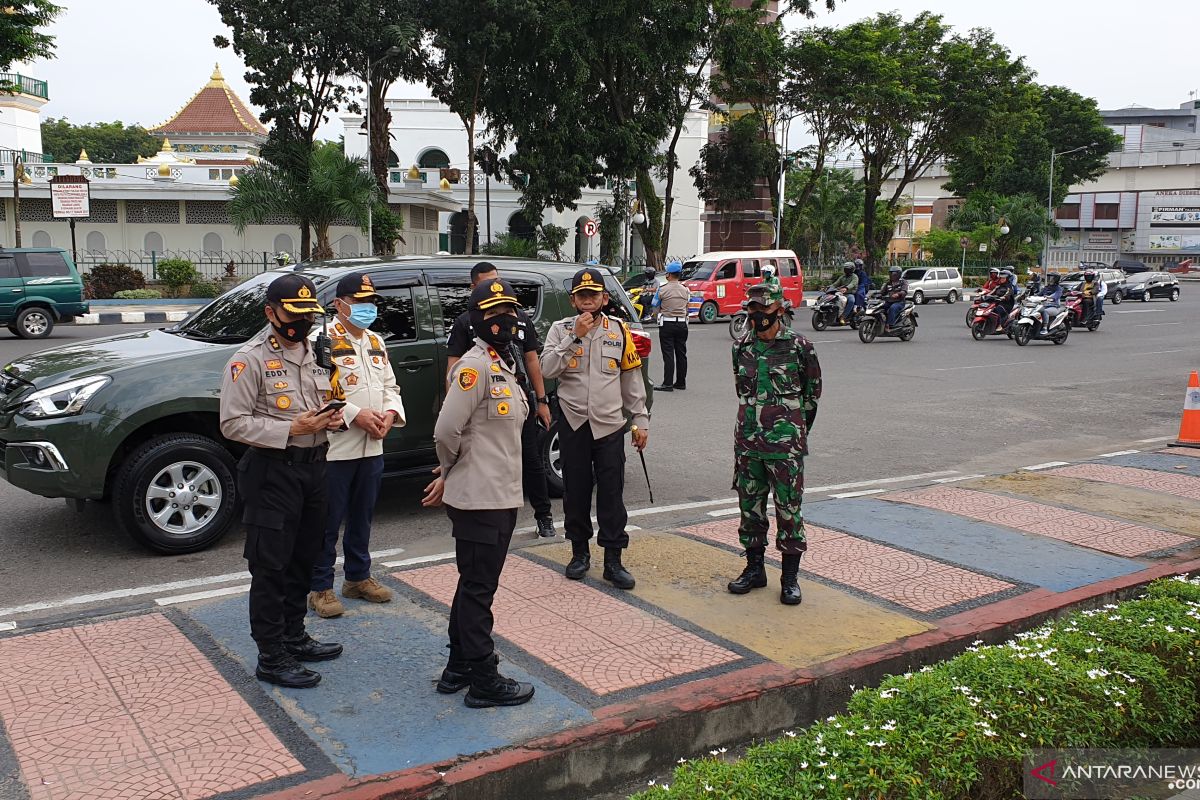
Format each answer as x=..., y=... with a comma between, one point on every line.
x=778, y=384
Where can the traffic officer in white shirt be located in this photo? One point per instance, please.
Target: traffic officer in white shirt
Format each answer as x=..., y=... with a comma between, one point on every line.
x=599, y=379
x=363, y=377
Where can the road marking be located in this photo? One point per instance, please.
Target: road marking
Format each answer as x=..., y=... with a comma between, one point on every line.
x=848, y=495
x=959, y=478
x=187, y=598
x=1137, y=311
x=985, y=366
x=1156, y=324
x=408, y=562
x=1157, y=352
x=8, y=626
x=828, y=341
x=1047, y=465
x=1118, y=453
x=725, y=512
x=1157, y=439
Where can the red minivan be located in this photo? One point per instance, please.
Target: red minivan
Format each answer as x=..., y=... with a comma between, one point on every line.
x=722, y=278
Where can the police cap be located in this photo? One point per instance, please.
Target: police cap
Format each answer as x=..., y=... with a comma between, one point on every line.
x=357, y=285
x=588, y=279
x=493, y=293
x=296, y=293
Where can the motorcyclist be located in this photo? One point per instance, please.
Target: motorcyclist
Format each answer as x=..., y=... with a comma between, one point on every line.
x=1006, y=293
x=1090, y=289
x=845, y=288
x=894, y=295
x=864, y=284
x=1052, y=294
x=993, y=280
x=1033, y=286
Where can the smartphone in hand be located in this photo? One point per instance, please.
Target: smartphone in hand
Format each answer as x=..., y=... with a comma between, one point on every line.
x=333, y=405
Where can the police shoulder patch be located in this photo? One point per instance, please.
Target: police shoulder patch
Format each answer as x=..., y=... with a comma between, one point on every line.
x=236, y=369
x=467, y=378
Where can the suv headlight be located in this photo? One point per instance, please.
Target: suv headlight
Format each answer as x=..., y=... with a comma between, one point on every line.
x=62, y=400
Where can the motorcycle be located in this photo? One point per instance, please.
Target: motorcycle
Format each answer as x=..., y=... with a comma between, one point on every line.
x=825, y=314
x=1028, y=327
x=871, y=323
x=1076, y=316
x=643, y=309
x=976, y=302
x=991, y=318
x=739, y=323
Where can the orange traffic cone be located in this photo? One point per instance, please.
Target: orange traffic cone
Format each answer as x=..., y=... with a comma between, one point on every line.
x=1189, y=427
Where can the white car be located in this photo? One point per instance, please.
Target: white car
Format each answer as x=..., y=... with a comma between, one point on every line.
x=933, y=283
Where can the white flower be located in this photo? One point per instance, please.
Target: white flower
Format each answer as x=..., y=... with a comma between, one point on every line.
x=822, y=764
x=831, y=719
x=713, y=752
x=651, y=782
x=890, y=726
x=1023, y=736
x=790, y=734
x=707, y=788
x=990, y=732
x=803, y=765
x=833, y=776
x=722, y=749
x=849, y=733
x=681, y=761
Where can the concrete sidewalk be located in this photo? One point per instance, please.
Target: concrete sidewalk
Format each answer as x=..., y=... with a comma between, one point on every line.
x=162, y=703
x=138, y=312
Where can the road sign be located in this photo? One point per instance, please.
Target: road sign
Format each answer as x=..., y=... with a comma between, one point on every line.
x=983, y=247
x=964, y=242
x=69, y=197
x=590, y=228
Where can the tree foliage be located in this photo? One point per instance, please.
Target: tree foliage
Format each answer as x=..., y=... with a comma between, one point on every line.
x=1024, y=214
x=825, y=224
x=105, y=142
x=22, y=37
x=733, y=166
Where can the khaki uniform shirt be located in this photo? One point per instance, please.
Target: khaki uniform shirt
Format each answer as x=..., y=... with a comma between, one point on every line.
x=265, y=387
x=599, y=378
x=364, y=378
x=673, y=299
x=478, y=433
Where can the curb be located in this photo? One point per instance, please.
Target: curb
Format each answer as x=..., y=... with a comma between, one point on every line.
x=130, y=317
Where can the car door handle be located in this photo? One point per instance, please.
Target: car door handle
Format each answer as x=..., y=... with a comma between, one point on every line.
x=413, y=364
x=17, y=291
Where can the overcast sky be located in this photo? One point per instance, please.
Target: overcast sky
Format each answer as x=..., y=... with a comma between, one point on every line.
x=140, y=60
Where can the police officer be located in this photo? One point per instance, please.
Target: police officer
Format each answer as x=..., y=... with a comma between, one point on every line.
x=272, y=395
x=478, y=439
x=599, y=378
x=778, y=382
x=363, y=377
x=529, y=374
x=673, y=299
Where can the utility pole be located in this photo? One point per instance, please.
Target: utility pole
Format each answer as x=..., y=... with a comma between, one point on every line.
x=18, y=176
x=1050, y=207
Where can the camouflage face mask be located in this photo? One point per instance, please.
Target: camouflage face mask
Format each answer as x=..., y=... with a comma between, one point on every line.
x=764, y=320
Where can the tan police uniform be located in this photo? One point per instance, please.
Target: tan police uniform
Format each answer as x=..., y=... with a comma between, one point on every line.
x=673, y=299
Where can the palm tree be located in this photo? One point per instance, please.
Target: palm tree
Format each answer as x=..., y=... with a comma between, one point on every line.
x=336, y=189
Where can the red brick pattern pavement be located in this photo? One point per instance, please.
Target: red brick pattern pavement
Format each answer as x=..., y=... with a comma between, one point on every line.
x=1086, y=530
x=129, y=709
x=902, y=578
x=596, y=640
x=1184, y=486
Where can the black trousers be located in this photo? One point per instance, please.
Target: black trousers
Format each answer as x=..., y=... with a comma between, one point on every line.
x=600, y=462
x=285, y=509
x=672, y=338
x=533, y=467
x=481, y=541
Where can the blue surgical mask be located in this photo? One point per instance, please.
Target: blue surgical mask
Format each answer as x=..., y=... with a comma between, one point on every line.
x=363, y=314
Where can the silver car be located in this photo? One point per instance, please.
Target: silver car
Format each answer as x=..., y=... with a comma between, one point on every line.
x=933, y=283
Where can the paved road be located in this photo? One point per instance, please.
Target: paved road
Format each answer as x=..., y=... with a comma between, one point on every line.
x=940, y=404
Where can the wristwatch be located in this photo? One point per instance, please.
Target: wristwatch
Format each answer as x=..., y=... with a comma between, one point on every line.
x=544, y=400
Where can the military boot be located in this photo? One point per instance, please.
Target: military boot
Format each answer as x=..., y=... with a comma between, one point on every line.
x=326, y=604
x=276, y=665
x=789, y=592
x=581, y=560
x=490, y=688
x=457, y=674
x=754, y=576
x=614, y=571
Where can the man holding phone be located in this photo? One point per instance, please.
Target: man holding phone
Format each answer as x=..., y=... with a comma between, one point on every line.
x=363, y=376
x=273, y=399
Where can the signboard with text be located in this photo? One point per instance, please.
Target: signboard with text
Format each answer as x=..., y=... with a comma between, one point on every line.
x=70, y=197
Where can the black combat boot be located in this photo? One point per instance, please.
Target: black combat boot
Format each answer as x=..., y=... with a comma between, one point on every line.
x=545, y=527
x=581, y=560
x=306, y=648
x=490, y=688
x=276, y=665
x=614, y=571
x=754, y=576
x=457, y=674
x=789, y=592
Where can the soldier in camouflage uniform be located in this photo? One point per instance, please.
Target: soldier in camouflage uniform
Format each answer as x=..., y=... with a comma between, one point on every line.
x=778, y=382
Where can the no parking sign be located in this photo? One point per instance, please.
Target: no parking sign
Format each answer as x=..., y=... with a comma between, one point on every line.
x=590, y=228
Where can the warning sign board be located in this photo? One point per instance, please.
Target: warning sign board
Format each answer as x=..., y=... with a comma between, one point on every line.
x=70, y=197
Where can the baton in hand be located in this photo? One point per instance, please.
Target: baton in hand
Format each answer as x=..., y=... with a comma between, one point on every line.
x=645, y=471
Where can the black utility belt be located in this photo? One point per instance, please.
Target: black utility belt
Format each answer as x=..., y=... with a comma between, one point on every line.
x=294, y=455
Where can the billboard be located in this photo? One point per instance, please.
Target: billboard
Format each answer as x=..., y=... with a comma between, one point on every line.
x=1165, y=241
x=1174, y=217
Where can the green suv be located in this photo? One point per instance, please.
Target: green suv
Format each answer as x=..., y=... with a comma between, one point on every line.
x=133, y=418
x=39, y=286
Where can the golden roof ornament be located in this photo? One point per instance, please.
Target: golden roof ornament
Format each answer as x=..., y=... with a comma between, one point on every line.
x=83, y=157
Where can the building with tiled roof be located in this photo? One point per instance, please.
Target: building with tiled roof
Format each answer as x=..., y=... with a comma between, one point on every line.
x=215, y=124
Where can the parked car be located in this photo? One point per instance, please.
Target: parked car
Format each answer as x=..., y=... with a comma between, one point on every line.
x=39, y=286
x=1145, y=285
x=1114, y=279
x=124, y=417
x=1130, y=266
x=933, y=283
x=721, y=279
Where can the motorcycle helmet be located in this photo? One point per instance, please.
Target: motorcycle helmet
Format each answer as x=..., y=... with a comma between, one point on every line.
x=893, y=270
x=1089, y=274
x=858, y=262
x=649, y=272
x=848, y=267
x=1053, y=279
x=993, y=272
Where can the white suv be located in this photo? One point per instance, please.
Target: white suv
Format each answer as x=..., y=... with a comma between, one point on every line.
x=933, y=283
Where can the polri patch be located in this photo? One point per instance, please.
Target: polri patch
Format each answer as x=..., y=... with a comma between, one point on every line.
x=351, y=380
x=281, y=384
x=283, y=402
x=235, y=370
x=467, y=378
x=274, y=363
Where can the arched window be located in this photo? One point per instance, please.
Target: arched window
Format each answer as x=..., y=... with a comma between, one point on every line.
x=95, y=242
x=458, y=234
x=519, y=227
x=583, y=242
x=153, y=243
x=212, y=244
x=393, y=159
x=348, y=246
x=433, y=158
x=283, y=244
x=41, y=239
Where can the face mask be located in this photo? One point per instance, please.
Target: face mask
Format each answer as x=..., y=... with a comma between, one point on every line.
x=295, y=331
x=505, y=330
x=363, y=314
x=763, y=321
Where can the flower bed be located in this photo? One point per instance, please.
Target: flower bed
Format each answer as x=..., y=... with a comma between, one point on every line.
x=1120, y=676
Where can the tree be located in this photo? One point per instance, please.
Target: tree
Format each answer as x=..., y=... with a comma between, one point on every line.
x=1025, y=215
x=551, y=238
x=1012, y=155
x=105, y=142
x=21, y=36
x=825, y=224
x=904, y=93
x=334, y=188
x=732, y=167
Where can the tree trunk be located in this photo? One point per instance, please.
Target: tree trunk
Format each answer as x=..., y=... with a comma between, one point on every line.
x=305, y=241
x=869, y=200
x=650, y=231
x=378, y=138
x=323, y=250
x=472, y=222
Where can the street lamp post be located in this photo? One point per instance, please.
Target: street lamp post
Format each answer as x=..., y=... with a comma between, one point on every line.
x=1050, y=206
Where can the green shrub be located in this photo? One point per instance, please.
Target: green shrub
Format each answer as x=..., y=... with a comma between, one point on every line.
x=205, y=289
x=177, y=272
x=105, y=280
x=506, y=244
x=1119, y=676
x=138, y=294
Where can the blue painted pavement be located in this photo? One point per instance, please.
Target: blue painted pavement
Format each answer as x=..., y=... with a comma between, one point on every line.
x=1023, y=557
x=1159, y=463
x=376, y=710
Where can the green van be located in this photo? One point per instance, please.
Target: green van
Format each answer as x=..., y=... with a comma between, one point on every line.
x=39, y=286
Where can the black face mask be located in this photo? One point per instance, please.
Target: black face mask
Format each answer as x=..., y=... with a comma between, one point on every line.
x=295, y=331
x=764, y=320
x=506, y=330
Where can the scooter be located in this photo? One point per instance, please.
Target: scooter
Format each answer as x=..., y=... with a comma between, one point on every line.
x=976, y=303
x=825, y=314
x=991, y=318
x=1076, y=316
x=871, y=324
x=1028, y=327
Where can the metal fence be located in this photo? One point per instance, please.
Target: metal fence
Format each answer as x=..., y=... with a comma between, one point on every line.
x=211, y=264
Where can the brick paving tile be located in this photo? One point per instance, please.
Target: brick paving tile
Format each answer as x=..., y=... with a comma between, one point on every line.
x=144, y=690
x=611, y=671
x=1194, y=452
x=107, y=743
x=140, y=780
x=1131, y=541
x=191, y=726
x=60, y=706
x=578, y=601
x=558, y=642
x=531, y=584
x=682, y=653
x=951, y=498
x=525, y=616
x=940, y=589
x=726, y=532
x=627, y=629
x=123, y=632
x=1178, y=485
x=1018, y=515
x=219, y=767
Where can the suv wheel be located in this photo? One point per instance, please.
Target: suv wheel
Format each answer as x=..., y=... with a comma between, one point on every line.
x=177, y=493
x=34, y=322
x=952, y=298
x=1116, y=297
x=919, y=297
x=552, y=456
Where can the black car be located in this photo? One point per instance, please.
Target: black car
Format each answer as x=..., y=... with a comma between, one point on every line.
x=1145, y=285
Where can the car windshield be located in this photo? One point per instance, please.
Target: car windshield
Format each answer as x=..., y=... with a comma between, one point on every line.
x=236, y=315
x=1074, y=276
x=914, y=274
x=698, y=270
